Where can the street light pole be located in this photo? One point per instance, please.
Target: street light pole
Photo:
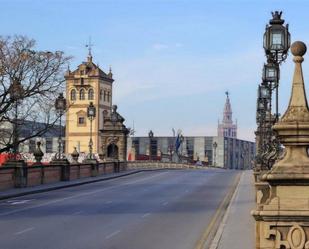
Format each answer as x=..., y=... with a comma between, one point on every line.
x=150, y=135
x=60, y=106
x=276, y=44
x=215, y=152
x=91, y=113
x=16, y=94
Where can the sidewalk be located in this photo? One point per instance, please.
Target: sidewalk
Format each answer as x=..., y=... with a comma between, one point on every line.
x=16, y=192
x=238, y=226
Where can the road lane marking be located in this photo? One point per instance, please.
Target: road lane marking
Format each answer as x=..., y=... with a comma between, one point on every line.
x=165, y=203
x=17, y=202
x=145, y=215
x=223, y=206
x=24, y=231
x=108, y=202
x=187, y=191
x=112, y=234
x=79, y=195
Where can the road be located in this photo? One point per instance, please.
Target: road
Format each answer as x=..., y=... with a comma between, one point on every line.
x=165, y=209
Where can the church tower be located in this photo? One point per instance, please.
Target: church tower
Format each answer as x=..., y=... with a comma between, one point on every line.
x=88, y=83
x=227, y=128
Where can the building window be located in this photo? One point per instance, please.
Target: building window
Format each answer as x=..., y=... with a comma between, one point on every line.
x=81, y=120
x=73, y=94
x=49, y=145
x=82, y=94
x=90, y=94
x=31, y=146
x=101, y=94
x=104, y=95
x=108, y=95
x=82, y=81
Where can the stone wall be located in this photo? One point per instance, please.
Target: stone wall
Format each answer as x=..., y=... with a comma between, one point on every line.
x=11, y=177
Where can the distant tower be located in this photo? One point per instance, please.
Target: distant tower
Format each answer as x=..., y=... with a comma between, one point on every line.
x=88, y=83
x=227, y=128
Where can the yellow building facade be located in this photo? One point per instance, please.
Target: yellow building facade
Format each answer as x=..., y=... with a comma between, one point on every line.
x=88, y=83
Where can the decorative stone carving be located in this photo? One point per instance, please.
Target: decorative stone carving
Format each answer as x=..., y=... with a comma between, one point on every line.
x=282, y=220
x=297, y=237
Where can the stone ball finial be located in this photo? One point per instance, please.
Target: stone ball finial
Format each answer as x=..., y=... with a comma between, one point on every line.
x=298, y=48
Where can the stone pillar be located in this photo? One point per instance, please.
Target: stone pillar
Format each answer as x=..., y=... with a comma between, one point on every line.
x=20, y=174
x=282, y=221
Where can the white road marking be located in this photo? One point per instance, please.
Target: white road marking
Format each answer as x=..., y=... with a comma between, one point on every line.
x=16, y=202
x=165, y=203
x=112, y=234
x=145, y=215
x=24, y=231
x=79, y=195
x=108, y=202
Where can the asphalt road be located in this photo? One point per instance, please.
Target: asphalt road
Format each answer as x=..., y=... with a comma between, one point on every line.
x=149, y=210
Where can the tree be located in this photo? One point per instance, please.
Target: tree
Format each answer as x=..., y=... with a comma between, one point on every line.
x=39, y=77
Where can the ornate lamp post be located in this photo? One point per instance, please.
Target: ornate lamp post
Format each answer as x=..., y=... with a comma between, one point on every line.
x=150, y=135
x=114, y=119
x=277, y=41
x=60, y=105
x=91, y=113
x=276, y=45
x=215, y=145
x=16, y=94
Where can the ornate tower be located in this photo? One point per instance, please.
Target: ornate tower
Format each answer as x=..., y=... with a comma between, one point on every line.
x=88, y=83
x=227, y=128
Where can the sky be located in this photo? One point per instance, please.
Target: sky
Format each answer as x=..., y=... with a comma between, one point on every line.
x=172, y=60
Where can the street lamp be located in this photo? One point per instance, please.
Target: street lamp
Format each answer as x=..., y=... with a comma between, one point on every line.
x=277, y=41
x=91, y=113
x=271, y=73
x=60, y=105
x=150, y=135
x=215, y=145
x=277, y=38
x=16, y=92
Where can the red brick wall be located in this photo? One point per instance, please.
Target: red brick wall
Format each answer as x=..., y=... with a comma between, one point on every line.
x=6, y=178
x=52, y=174
x=34, y=176
x=85, y=170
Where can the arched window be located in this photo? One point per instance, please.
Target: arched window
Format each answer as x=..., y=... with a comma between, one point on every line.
x=90, y=94
x=104, y=95
x=73, y=94
x=82, y=94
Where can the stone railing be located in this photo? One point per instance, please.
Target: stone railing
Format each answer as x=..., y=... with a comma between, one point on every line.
x=161, y=165
x=26, y=176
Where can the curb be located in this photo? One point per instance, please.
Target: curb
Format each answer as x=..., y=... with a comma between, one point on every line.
x=216, y=241
x=210, y=233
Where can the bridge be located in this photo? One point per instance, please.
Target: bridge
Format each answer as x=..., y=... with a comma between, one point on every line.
x=165, y=205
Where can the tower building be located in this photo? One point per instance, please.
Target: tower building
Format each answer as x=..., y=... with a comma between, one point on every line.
x=227, y=128
x=88, y=83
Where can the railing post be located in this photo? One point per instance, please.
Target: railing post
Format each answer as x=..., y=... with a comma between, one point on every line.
x=20, y=174
x=65, y=171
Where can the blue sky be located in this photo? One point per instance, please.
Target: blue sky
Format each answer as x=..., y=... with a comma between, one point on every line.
x=172, y=60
